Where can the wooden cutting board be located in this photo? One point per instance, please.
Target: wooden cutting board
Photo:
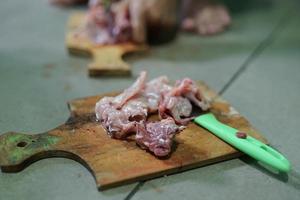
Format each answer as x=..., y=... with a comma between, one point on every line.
x=114, y=162
x=107, y=59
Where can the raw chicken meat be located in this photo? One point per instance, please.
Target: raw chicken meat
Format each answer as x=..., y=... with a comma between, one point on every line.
x=154, y=90
x=104, y=25
x=205, y=17
x=128, y=112
x=176, y=103
x=132, y=91
x=189, y=89
x=117, y=118
x=157, y=137
x=176, y=107
x=116, y=122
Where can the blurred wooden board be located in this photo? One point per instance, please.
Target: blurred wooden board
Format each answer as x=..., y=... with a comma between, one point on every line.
x=115, y=162
x=107, y=59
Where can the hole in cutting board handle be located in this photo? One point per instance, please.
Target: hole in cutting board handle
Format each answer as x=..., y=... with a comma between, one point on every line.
x=22, y=144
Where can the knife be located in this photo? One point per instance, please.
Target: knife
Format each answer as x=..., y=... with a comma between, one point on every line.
x=244, y=142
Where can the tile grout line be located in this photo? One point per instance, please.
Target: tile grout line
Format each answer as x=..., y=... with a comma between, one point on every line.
x=257, y=51
x=134, y=190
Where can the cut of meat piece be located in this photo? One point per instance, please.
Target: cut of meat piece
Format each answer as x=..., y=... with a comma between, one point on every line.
x=102, y=105
x=158, y=85
x=154, y=90
x=118, y=115
x=115, y=121
x=136, y=109
x=127, y=113
x=176, y=107
x=181, y=107
x=107, y=24
x=177, y=102
x=157, y=137
x=189, y=89
x=132, y=91
x=198, y=100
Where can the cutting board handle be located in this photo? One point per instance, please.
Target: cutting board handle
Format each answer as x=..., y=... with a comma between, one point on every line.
x=108, y=61
x=17, y=150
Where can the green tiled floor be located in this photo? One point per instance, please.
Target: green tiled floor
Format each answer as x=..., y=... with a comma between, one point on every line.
x=37, y=77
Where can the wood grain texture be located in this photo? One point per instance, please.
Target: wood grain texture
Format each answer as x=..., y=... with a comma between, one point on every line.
x=114, y=162
x=107, y=59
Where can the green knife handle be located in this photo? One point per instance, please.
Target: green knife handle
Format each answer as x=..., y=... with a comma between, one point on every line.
x=249, y=145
